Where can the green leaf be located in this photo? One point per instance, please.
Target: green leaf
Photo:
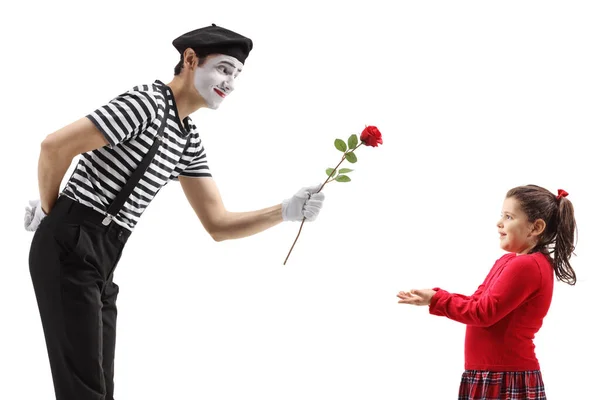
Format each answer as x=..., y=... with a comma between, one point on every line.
x=340, y=145
x=343, y=178
x=345, y=170
x=351, y=157
x=353, y=141
x=329, y=171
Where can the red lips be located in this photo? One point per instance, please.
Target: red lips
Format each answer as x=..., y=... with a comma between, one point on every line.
x=219, y=92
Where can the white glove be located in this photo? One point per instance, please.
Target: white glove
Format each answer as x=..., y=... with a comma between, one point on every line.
x=305, y=204
x=33, y=215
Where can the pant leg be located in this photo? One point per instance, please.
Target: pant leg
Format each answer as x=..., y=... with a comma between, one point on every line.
x=68, y=292
x=109, y=334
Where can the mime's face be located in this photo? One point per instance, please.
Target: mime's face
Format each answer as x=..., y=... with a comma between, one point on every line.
x=214, y=80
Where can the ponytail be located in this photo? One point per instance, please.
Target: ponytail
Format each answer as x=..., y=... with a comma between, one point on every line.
x=566, y=229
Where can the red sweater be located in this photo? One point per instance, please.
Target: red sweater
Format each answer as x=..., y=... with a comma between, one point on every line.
x=504, y=314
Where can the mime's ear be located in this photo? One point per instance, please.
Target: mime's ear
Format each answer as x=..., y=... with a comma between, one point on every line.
x=190, y=59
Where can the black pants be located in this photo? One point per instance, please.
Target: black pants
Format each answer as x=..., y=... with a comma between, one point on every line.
x=71, y=261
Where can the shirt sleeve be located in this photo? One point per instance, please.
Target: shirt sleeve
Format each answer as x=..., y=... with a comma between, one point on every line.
x=195, y=160
x=125, y=116
x=516, y=282
x=475, y=295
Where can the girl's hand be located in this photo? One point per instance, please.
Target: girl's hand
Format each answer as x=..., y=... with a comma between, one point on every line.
x=416, y=297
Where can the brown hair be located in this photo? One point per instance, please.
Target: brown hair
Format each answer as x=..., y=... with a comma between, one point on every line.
x=179, y=66
x=558, y=238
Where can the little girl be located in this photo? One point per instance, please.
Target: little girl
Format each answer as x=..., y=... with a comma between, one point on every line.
x=537, y=229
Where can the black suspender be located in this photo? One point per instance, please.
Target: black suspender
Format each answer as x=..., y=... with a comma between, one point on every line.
x=122, y=197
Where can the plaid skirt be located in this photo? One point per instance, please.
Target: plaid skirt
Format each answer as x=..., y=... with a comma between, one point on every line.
x=488, y=385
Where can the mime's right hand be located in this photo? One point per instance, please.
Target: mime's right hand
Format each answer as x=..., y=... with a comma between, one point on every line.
x=34, y=214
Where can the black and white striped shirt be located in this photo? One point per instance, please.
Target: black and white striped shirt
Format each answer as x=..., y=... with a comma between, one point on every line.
x=129, y=123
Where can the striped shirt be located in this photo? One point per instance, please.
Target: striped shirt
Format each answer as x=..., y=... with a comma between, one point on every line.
x=130, y=123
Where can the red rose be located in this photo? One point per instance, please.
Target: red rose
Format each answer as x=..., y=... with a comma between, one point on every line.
x=371, y=136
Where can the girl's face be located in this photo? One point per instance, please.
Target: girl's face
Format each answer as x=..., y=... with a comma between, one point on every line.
x=517, y=234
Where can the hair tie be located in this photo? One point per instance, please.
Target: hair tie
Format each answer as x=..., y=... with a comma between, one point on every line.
x=561, y=193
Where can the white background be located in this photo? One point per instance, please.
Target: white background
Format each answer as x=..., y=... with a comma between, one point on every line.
x=473, y=98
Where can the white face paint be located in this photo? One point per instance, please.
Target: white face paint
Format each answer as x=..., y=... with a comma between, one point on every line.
x=214, y=79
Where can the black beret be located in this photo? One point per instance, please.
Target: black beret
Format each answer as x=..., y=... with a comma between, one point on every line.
x=214, y=40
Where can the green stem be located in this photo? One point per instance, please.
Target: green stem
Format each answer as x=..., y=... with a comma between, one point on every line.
x=336, y=167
